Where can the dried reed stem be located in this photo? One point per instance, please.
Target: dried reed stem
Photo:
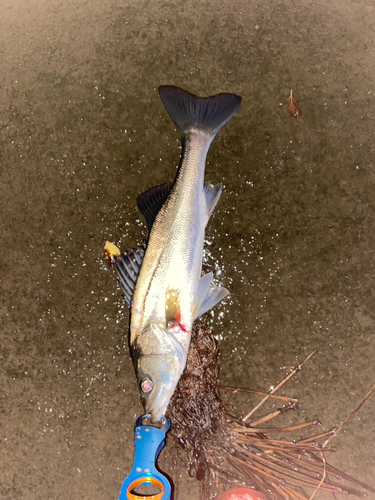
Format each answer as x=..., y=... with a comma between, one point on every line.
x=351, y=416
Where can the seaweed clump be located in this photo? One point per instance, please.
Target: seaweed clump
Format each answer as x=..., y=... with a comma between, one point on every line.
x=222, y=449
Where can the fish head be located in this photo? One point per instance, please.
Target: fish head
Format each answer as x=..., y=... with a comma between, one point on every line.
x=160, y=358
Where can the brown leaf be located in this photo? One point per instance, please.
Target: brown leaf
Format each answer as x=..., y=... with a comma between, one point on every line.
x=293, y=107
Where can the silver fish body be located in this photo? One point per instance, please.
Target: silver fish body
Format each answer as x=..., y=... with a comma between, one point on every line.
x=169, y=292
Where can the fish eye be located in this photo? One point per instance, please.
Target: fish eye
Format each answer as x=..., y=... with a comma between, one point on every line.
x=147, y=385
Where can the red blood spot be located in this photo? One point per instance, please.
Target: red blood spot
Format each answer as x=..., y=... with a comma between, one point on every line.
x=184, y=329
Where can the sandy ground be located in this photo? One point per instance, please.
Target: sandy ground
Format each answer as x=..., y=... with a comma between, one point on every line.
x=83, y=132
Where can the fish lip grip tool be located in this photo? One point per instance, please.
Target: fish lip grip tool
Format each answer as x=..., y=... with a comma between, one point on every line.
x=148, y=443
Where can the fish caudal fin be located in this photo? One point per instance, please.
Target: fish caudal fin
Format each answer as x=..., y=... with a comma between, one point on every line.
x=189, y=111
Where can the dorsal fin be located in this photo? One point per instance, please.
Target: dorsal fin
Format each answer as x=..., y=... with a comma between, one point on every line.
x=127, y=267
x=151, y=201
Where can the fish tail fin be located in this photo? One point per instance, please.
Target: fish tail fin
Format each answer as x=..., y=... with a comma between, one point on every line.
x=188, y=111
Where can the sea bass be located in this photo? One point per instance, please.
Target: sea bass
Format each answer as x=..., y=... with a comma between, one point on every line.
x=162, y=280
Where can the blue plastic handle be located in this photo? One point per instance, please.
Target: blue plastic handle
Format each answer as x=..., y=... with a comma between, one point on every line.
x=148, y=443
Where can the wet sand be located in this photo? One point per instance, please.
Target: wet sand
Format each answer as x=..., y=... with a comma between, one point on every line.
x=83, y=132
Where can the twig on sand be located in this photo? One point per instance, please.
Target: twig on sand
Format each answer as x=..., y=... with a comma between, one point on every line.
x=275, y=389
x=87, y=391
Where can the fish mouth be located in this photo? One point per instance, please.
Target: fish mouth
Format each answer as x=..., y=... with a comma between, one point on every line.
x=157, y=413
x=156, y=404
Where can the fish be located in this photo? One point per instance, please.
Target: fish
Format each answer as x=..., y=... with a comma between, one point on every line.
x=162, y=279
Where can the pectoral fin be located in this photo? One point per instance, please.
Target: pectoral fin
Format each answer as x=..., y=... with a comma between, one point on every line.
x=172, y=307
x=208, y=295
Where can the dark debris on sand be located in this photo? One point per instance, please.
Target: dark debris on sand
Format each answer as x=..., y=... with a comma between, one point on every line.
x=222, y=450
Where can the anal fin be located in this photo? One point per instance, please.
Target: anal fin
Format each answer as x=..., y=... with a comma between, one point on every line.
x=213, y=194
